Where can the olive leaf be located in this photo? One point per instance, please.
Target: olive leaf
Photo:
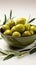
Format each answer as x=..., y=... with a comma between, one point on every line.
x=21, y=53
x=10, y=14
x=11, y=53
x=8, y=56
x=5, y=20
x=33, y=50
x=31, y=20
x=30, y=51
x=24, y=50
x=2, y=52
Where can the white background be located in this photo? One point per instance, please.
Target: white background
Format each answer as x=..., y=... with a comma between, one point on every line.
x=20, y=8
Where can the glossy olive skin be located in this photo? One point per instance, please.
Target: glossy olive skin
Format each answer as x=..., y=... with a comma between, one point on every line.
x=11, y=23
x=13, y=29
x=26, y=33
x=27, y=26
x=33, y=28
x=16, y=34
x=32, y=32
x=8, y=32
x=20, y=21
x=5, y=27
x=20, y=28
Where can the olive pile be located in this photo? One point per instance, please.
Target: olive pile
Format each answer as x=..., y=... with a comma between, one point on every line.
x=20, y=28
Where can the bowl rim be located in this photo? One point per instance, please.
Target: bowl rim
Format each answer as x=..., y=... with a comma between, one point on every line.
x=18, y=37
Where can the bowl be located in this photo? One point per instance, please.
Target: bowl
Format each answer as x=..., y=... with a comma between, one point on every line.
x=19, y=42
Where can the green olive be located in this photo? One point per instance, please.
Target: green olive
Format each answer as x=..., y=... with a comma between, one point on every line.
x=26, y=33
x=8, y=32
x=32, y=32
x=27, y=26
x=21, y=21
x=13, y=29
x=33, y=28
x=5, y=27
x=16, y=34
x=20, y=28
x=11, y=23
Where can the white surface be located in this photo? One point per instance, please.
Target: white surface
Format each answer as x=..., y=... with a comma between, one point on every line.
x=20, y=8
x=26, y=60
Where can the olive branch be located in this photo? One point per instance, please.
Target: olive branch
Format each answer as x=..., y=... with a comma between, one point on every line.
x=11, y=53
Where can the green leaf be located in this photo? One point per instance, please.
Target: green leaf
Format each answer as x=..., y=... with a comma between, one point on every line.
x=33, y=50
x=5, y=20
x=11, y=53
x=10, y=14
x=3, y=53
x=21, y=50
x=8, y=56
x=31, y=20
